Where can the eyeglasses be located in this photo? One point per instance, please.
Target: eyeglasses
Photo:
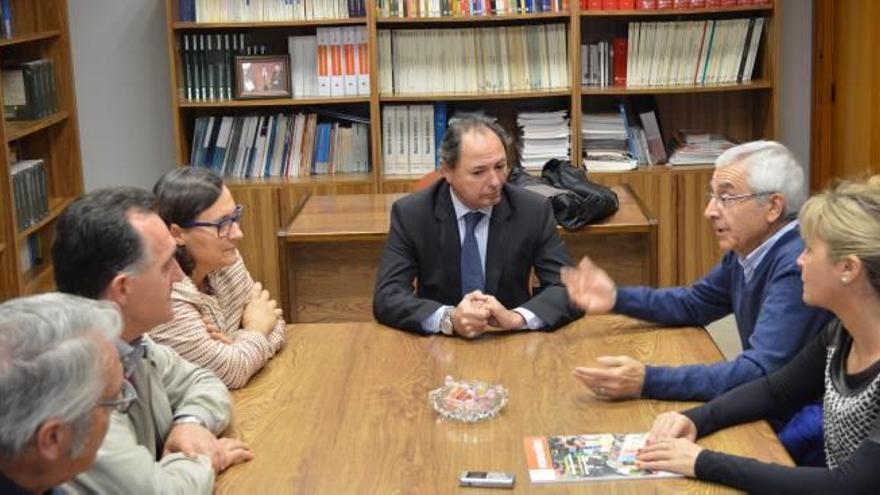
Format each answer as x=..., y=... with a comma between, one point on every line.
x=727, y=201
x=223, y=226
x=127, y=394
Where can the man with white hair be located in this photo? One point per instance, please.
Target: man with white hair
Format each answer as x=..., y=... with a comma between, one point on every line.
x=60, y=377
x=755, y=193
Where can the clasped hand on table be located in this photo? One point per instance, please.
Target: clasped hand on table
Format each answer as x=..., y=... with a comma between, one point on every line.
x=478, y=313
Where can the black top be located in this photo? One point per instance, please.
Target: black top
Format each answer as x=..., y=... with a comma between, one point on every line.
x=852, y=429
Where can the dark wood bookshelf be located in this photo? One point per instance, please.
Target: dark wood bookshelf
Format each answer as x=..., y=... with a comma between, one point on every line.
x=17, y=129
x=40, y=278
x=677, y=12
x=659, y=90
x=340, y=178
x=201, y=26
x=41, y=31
x=508, y=95
x=275, y=102
x=28, y=38
x=475, y=19
x=56, y=205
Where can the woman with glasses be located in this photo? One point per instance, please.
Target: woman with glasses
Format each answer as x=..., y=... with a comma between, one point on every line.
x=223, y=320
x=840, y=267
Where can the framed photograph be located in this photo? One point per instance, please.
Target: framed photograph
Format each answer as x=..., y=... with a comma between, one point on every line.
x=262, y=76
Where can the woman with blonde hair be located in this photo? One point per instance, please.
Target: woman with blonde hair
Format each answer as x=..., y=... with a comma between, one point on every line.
x=223, y=320
x=840, y=267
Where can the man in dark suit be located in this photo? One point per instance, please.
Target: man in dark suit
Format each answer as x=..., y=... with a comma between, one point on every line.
x=470, y=242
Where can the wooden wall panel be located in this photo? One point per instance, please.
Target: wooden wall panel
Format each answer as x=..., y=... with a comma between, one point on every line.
x=855, y=133
x=337, y=284
x=846, y=91
x=656, y=188
x=260, y=221
x=697, y=249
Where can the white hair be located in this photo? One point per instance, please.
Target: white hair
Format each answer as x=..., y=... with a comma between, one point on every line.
x=50, y=366
x=770, y=167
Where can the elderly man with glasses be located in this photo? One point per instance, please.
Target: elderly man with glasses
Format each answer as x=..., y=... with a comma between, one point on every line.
x=756, y=191
x=110, y=244
x=60, y=378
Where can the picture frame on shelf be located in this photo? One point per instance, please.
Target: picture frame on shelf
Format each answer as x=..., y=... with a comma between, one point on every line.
x=262, y=76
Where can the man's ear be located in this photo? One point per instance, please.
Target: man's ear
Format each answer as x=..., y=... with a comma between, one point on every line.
x=777, y=207
x=119, y=289
x=52, y=439
x=445, y=170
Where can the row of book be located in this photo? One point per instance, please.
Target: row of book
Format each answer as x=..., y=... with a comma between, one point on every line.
x=6, y=16
x=30, y=192
x=268, y=10
x=29, y=90
x=209, y=64
x=603, y=63
x=675, y=53
x=664, y=4
x=411, y=137
x=333, y=62
x=466, y=8
x=32, y=252
x=692, y=52
x=497, y=59
x=281, y=145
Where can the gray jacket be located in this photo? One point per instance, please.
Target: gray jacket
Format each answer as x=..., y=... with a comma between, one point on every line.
x=167, y=386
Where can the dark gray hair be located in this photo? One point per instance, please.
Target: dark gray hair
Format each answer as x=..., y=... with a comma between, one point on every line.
x=182, y=194
x=95, y=241
x=49, y=366
x=450, y=147
x=770, y=167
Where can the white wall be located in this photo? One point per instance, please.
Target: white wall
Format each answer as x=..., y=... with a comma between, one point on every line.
x=122, y=90
x=795, y=91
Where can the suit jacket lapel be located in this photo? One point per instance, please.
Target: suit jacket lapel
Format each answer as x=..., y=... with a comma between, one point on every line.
x=450, y=242
x=495, y=246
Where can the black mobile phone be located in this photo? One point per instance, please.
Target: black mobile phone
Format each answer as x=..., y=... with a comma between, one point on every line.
x=488, y=479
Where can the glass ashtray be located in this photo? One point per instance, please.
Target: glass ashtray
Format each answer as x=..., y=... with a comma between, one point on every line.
x=468, y=401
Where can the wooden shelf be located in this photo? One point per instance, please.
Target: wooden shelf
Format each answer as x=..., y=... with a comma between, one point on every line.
x=40, y=278
x=512, y=95
x=315, y=179
x=275, y=102
x=658, y=90
x=390, y=179
x=542, y=16
x=194, y=26
x=675, y=12
x=55, y=207
x=27, y=38
x=17, y=129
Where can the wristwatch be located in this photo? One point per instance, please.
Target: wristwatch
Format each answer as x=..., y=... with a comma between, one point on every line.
x=446, y=325
x=189, y=419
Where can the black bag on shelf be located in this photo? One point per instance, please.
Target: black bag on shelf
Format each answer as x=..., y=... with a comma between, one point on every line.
x=576, y=200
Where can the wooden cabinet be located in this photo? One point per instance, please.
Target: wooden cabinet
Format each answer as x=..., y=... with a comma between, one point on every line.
x=40, y=30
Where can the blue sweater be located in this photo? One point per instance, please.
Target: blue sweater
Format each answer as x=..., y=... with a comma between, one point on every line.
x=773, y=321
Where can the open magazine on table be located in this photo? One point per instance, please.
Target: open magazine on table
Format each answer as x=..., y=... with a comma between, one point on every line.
x=596, y=457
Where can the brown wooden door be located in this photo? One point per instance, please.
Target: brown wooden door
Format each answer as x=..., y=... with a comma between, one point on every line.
x=846, y=90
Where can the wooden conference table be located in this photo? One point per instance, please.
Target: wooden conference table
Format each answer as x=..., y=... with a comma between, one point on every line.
x=329, y=254
x=343, y=408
